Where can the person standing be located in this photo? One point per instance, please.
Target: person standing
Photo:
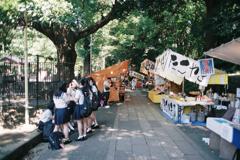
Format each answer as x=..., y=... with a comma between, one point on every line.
x=71, y=106
x=79, y=75
x=61, y=101
x=106, y=91
x=94, y=89
x=81, y=121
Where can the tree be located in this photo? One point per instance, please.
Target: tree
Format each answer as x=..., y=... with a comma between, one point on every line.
x=63, y=21
x=140, y=36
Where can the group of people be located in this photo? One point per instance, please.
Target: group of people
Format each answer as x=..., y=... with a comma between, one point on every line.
x=68, y=104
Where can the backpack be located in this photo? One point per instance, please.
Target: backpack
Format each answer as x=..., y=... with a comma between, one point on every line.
x=56, y=140
x=95, y=102
x=86, y=111
x=47, y=130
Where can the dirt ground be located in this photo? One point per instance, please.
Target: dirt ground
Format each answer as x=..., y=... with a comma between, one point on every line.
x=12, y=120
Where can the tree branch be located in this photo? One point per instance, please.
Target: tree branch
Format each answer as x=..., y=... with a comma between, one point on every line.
x=99, y=24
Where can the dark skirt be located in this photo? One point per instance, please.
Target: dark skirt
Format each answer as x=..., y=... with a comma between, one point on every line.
x=71, y=107
x=41, y=124
x=76, y=113
x=61, y=116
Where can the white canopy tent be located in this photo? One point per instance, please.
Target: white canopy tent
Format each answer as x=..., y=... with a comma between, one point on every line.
x=227, y=52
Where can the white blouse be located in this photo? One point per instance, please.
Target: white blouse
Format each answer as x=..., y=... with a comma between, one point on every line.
x=60, y=102
x=45, y=116
x=94, y=89
x=79, y=95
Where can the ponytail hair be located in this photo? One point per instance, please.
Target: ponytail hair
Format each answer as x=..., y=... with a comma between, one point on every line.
x=62, y=88
x=84, y=83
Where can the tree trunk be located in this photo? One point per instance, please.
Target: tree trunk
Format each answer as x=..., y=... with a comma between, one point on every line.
x=87, y=57
x=211, y=39
x=66, y=60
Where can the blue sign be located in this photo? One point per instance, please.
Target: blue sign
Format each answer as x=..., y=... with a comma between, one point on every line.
x=206, y=66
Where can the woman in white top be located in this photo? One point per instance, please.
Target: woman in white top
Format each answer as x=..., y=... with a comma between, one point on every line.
x=81, y=122
x=61, y=101
x=92, y=121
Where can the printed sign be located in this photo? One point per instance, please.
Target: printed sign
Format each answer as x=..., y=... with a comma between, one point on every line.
x=170, y=107
x=206, y=66
x=186, y=67
x=238, y=93
x=227, y=132
x=160, y=62
x=137, y=75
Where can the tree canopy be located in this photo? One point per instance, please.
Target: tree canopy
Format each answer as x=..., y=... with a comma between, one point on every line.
x=124, y=29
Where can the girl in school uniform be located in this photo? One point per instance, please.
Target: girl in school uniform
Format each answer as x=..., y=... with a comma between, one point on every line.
x=81, y=122
x=61, y=101
x=71, y=106
x=47, y=116
x=92, y=118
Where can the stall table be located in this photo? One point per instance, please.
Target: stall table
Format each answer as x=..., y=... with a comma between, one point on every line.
x=173, y=107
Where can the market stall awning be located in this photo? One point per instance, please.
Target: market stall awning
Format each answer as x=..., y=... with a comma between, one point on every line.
x=111, y=72
x=219, y=77
x=227, y=52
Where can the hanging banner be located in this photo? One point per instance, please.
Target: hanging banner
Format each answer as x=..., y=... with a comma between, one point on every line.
x=147, y=66
x=159, y=68
x=137, y=75
x=186, y=67
x=160, y=62
x=206, y=66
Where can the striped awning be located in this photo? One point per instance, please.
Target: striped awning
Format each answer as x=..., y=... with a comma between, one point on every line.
x=219, y=77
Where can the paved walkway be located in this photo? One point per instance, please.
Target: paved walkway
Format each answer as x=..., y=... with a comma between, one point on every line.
x=132, y=130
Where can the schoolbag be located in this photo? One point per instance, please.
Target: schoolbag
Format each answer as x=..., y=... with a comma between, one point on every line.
x=56, y=140
x=86, y=111
x=47, y=130
x=95, y=100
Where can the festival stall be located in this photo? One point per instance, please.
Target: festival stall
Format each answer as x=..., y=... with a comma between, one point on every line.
x=112, y=72
x=176, y=67
x=227, y=130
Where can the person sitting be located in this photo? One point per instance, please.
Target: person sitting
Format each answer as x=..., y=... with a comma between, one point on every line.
x=47, y=116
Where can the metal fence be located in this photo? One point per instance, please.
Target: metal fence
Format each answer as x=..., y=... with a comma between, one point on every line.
x=43, y=79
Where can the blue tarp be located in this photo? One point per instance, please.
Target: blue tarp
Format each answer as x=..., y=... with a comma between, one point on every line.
x=193, y=123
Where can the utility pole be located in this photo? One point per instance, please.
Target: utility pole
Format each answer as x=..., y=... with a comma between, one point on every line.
x=26, y=70
x=91, y=55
